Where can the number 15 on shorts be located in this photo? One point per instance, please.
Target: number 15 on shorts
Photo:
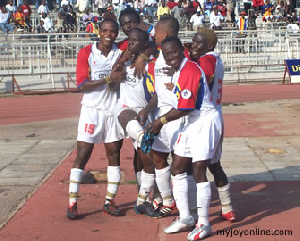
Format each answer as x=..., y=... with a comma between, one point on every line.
x=89, y=128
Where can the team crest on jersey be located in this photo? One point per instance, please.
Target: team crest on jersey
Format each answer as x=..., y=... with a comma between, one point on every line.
x=186, y=94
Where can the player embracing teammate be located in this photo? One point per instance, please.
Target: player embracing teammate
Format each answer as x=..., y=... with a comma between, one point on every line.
x=189, y=123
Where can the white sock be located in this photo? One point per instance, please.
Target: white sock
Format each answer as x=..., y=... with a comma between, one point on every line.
x=192, y=196
x=156, y=194
x=163, y=181
x=203, y=202
x=146, y=187
x=224, y=195
x=135, y=131
x=180, y=192
x=138, y=180
x=75, y=178
x=113, y=182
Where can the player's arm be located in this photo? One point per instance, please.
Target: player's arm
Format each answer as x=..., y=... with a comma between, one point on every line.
x=189, y=83
x=208, y=65
x=84, y=83
x=173, y=114
x=143, y=58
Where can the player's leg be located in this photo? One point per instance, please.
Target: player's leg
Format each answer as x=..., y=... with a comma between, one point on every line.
x=180, y=192
x=138, y=167
x=84, y=151
x=163, y=180
x=135, y=131
x=207, y=135
x=203, y=228
x=221, y=182
x=113, y=176
x=147, y=184
x=131, y=125
x=88, y=131
x=192, y=193
x=223, y=186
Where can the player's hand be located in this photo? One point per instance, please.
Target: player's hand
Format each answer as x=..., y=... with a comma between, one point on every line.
x=168, y=71
x=117, y=76
x=155, y=126
x=139, y=67
x=125, y=57
x=142, y=116
x=169, y=86
x=187, y=45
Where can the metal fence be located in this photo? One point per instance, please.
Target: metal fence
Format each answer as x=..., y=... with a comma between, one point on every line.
x=48, y=61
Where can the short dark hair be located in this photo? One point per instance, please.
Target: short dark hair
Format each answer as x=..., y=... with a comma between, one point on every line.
x=171, y=23
x=144, y=34
x=109, y=20
x=129, y=11
x=173, y=39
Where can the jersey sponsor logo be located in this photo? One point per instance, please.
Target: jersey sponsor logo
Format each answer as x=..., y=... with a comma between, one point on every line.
x=101, y=74
x=159, y=73
x=186, y=94
x=131, y=81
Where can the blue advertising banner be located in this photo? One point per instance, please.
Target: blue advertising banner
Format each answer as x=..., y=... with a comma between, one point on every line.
x=293, y=67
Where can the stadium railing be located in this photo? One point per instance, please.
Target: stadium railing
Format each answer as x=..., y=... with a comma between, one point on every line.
x=46, y=61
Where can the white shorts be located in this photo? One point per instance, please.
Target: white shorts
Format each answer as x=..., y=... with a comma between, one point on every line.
x=218, y=153
x=168, y=135
x=95, y=126
x=201, y=140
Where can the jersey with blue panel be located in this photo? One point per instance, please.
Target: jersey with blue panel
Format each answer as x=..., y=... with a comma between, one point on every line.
x=134, y=91
x=191, y=92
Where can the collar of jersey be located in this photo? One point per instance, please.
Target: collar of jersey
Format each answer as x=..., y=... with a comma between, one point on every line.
x=95, y=50
x=183, y=62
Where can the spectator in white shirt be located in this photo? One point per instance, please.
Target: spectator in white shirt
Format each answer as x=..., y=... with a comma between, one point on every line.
x=197, y=20
x=215, y=19
x=87, y=17
x=43, y=8
x=65, y=2
x=5, y=26
x=82, y=5
x=45, y=24
x=102, y=6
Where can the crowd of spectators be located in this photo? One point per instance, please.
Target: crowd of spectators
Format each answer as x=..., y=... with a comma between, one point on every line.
x=191, y=14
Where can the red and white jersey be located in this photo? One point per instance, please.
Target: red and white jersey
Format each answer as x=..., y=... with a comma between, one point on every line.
x=191, y=92
x=212, y=66
x=93, y=65
x=134, y=91
x=163, y=94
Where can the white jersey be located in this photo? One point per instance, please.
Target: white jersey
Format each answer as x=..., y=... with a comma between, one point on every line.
x=191, y=92
x=134, y=91
x=92, y=64
x=163, y=94
x=212, y=65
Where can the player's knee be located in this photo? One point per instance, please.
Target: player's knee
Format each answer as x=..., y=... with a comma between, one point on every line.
x=199, y=171
x=220, y=178
x=149, y=168
x=82, y=158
